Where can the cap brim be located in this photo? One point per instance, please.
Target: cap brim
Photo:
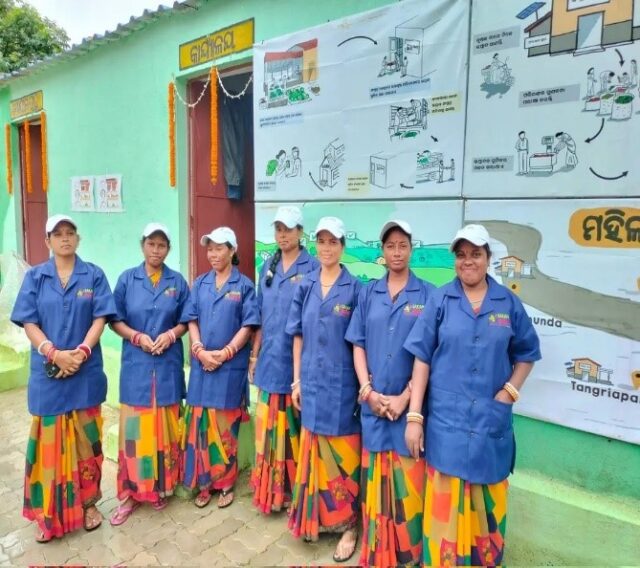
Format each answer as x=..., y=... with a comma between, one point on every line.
x=285, y=223
x=475, y=242
x=67, y=221
x=389, y=226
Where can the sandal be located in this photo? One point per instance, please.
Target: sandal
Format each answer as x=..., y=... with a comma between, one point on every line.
x=41, y=538
x=123, y=512
x=91, y=521
x=203, y=499
x=226, y=498
x=350, y=550
x=159, y=504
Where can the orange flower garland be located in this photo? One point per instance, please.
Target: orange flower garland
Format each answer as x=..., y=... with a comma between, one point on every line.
x=27, y=156
x=213, y=80
x=43, y=151
x=7, y=149
x=172, y=134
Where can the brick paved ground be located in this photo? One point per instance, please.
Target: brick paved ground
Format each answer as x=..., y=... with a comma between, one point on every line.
x=179, y=535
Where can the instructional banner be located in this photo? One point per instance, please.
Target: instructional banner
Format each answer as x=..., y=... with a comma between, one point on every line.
x=554, y=104
x=574, y=264
x=367, y=107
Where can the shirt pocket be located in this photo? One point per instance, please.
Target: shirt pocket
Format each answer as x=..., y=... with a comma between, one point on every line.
x=443, y=407
x=500, y=418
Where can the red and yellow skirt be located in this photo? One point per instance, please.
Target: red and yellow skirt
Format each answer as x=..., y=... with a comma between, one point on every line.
x=464, y=523
x=325, y=494
x=277, y=448
x=210, y=447
x=392, y=500
x=63, y=470
x=148, y=452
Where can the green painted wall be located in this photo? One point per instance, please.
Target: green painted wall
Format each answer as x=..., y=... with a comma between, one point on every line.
x=107, y=114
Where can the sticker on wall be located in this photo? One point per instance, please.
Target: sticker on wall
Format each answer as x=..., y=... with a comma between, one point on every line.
x=109, y=194
x=82, y=193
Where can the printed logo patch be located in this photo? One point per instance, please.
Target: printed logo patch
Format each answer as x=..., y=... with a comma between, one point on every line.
x=233, y=295
x=343, y=310
x=500, y=319
x=413, y=309
x=172, y=292
x=296, y=278
x=85, y=293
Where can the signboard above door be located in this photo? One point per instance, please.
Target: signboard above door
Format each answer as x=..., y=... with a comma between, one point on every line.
x=24, y=106
x=215, y=45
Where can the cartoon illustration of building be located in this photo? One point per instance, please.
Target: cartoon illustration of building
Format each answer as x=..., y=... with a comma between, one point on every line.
x=285, y=70
x=514, y=267
x=330, y=165
x=388, y=169
x=406, y=50
x=585, y=369
x=583, y=26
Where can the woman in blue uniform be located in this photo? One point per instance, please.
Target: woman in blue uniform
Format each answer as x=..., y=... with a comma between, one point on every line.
x=149, y=299
x=325, y=389
x=63, y=305
x=474, y=346
x=221, y=312
x=277, y=421
x=392, y=482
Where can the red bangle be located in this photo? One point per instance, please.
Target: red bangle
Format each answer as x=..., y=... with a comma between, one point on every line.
x=85, y=349
x=196, y=349
x=135, y=338
x=50, y=352
x=172, y=336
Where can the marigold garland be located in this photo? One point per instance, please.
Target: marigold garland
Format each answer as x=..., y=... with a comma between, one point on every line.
x=27, y=156
x=7, y=149
x=43, y=151
x=213, y=81
x=172, y=134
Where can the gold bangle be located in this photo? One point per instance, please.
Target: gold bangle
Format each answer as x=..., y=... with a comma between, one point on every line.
x=513, y=391
x=252, y=358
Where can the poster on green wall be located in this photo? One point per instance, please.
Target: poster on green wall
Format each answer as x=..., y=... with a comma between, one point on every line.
x=433, y=223
x=575, y=267
x=367, y=107
x=553, y=100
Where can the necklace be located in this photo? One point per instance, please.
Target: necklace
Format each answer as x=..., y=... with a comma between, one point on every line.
x=64, y=279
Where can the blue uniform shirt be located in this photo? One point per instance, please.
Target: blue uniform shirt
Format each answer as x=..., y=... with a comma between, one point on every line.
x=220, y=315
x=468, y=433
x=328, y=379
x=274, y=371
x=381, y=327
x=151, y=311
x=64, y=315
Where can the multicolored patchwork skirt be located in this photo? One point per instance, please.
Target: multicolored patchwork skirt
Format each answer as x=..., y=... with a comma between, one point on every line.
x=149, y=452
x=277, y=448
x=325, y=494
x=63, y=470
x=464, y=523
x=210, y=447
x=392, y=499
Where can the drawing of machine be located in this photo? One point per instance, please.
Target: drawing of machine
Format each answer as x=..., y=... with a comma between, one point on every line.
x=330, y=165
x=406, y=49
x=544, y=161
x=390, y=170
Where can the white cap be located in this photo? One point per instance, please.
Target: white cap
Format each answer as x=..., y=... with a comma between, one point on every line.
x=155, y=228
x=220, y=236
x=55, y=220
x=288, y=215
x=475, y=234
x=402, y=225
x=332, y=224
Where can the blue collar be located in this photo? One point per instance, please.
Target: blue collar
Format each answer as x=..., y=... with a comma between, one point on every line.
x=209, y=277
x=49, y=268
x=413, y=284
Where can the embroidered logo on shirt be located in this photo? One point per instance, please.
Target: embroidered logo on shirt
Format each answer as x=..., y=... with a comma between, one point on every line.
x=296, y=278
x=172, y=292
x=413, y=309
x=500, y=319
x=233, y=295
x=343, y=310
x=85, y=293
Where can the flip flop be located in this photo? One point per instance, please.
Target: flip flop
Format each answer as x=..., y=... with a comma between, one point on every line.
x=341, y=559
x=123, y=512
x=223, y=496
x=91, y=522
x=202, y=499
x=160, y=504
x=41, y=538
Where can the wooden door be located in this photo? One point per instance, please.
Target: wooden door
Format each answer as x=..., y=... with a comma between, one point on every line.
x=34, y=203
x=208, y=204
